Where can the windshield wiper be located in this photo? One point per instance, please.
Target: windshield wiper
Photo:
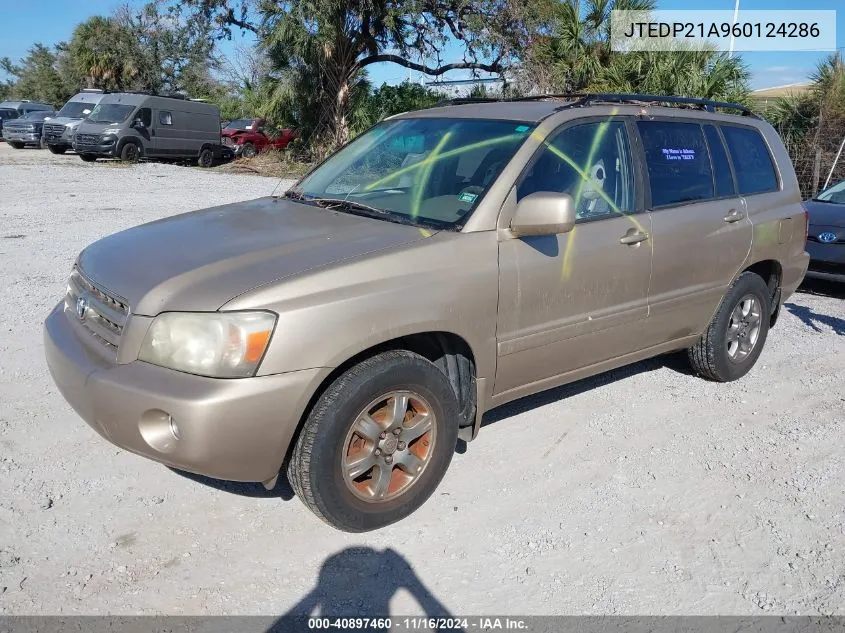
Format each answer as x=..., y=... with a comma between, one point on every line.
x=359, y=208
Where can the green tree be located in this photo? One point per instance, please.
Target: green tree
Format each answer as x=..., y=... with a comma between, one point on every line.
x=574, y=49
x=101, y=51
x=325, y=45
x=36, y=77
x=705, y=74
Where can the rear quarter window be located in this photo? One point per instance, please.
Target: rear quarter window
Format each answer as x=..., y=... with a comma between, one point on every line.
x=755, y=169
x=678, y=162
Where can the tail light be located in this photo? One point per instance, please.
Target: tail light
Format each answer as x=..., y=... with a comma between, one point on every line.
x=806, y=220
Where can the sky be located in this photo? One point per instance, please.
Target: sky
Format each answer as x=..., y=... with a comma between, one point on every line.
x=51, y=21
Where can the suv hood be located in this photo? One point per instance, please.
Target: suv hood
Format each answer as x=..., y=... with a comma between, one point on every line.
x=65, y=120
x=198, y=261
x=90, y=127
x=826, y=213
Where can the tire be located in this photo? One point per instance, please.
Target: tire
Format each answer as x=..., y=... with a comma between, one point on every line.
x=712, y=356
x=320, y=466
x=130, y=152
x=88, y=158
x=248, y=150
x=57, y=149
x=206, y=158
x=16, y=144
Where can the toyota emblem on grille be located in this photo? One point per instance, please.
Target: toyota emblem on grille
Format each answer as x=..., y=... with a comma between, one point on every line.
x=827, y=237
x=81, y=307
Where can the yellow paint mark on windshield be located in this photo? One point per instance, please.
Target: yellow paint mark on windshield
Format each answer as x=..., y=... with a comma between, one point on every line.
x=421, y=182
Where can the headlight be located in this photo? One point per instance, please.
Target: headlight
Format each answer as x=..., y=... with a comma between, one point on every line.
x=216, y=344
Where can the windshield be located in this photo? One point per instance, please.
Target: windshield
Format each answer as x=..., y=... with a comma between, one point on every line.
x=430, y=171
x=37, y=116
x=7, y=113
x=76, y=109
x=110, y=113
x=836, y=194
x=239, y=124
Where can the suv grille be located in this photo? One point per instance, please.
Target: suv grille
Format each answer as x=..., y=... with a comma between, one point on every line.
x=100, y=312
x=55, y=129
x=88, y=139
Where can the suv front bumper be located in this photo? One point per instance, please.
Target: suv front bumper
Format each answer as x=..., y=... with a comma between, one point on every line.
x=105, y=149
x=21, y=137
x=236, y=429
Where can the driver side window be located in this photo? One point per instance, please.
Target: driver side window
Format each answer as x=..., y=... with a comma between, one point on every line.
x=146, y=116
x=592, y=163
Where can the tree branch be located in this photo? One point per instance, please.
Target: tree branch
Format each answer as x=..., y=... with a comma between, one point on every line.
x=230, y=18
x=494, y=67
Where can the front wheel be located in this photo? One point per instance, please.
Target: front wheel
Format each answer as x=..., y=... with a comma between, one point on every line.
x=732, y=343
x=57, y=149
x=15, y=144
x=248, y=150
x=376, y=443
x=130, y=153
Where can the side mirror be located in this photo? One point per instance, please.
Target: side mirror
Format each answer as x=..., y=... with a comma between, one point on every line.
x=138, y=123
x=544, y=213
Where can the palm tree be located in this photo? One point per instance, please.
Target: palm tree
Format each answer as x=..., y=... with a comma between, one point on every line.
x=99, y=49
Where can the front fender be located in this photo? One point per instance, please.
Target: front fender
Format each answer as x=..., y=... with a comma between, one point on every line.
x=445, y=283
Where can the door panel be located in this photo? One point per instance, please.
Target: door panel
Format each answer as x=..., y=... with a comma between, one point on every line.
x=572, y=300
x=569, y=301
x=700, y=226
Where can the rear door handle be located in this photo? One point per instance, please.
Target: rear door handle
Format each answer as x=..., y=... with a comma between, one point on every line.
x=633, y=238
x=734, y=216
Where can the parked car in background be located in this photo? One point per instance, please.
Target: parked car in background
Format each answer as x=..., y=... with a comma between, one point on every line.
x=133, y=126
x=26, y=130
x=16, y=109
x=248, y=137
x=826, y=234
x=443, y=263
x=58, y=132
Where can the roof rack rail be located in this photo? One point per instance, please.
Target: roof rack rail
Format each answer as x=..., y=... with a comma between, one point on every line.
x=709, y=105
x=464, y=101
x=591, y=98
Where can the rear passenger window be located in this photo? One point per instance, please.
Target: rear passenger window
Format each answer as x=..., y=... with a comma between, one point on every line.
x=755, y=171
x=165, y=118
x=722, y=176
x=678, y=163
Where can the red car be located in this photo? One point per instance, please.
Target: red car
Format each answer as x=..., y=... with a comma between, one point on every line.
x=247, y=137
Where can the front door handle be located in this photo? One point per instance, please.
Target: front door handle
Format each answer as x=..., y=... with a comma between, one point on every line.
x=734, y=216
x=152, y=132
x=633, y=238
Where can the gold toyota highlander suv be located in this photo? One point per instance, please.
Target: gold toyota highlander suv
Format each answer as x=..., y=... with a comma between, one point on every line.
x=443, y=263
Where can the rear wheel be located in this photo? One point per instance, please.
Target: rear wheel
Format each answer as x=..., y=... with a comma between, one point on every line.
x=57, y=149
x=16, y=144
x=732, y=343
x=88, y=158
x=206, y=158
x=130, y=153
x=377, y=442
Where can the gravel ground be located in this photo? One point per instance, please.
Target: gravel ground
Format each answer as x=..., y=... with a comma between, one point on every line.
x=641, y=491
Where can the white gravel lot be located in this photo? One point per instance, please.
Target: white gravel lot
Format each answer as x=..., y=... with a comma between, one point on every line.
x=643, y=491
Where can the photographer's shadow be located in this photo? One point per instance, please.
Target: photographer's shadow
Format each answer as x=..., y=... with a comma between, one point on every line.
x=359, y=582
